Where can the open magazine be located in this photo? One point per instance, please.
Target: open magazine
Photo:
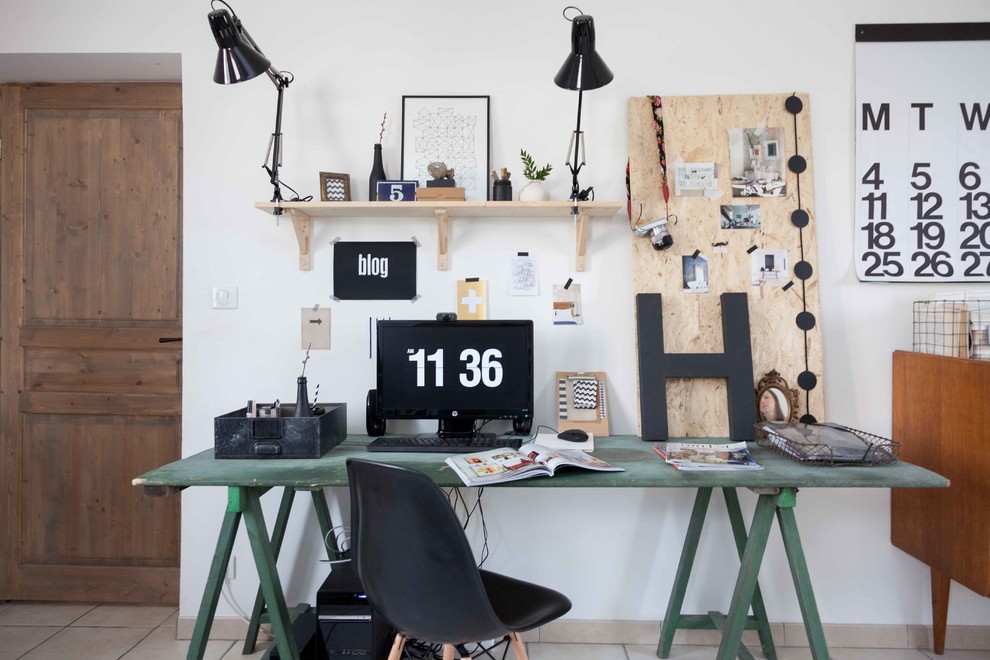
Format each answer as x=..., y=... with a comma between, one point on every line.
x=703, y=456
x=531, y=460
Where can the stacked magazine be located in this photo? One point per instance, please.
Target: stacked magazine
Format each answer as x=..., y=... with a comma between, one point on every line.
x=530, y=460
x=701, y=456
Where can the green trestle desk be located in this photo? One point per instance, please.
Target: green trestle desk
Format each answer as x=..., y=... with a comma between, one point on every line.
x=776, y=486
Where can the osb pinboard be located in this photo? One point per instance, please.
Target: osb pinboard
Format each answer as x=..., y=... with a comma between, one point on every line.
x=697, y=130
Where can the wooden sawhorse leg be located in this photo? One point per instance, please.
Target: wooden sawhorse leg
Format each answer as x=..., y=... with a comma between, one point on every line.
x=802, y=580
x=759, y=609
x=246, y=503
x=259, y=613
x=770, y=504
x=674, y=620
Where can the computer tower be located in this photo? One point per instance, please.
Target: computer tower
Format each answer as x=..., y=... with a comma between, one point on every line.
x=348, y=626
x=304, y=630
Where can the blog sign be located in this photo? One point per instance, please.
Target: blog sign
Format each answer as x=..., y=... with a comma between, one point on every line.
x=374, y=270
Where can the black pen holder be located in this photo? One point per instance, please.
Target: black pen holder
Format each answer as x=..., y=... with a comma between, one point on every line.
x=502, y=190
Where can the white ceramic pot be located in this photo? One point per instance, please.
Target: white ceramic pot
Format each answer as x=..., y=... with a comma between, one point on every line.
x=533, y=192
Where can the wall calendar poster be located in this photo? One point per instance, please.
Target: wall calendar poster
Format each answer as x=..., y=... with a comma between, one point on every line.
x=923, y=152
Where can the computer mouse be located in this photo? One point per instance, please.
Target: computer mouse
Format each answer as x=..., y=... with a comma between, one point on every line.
x=574, y=435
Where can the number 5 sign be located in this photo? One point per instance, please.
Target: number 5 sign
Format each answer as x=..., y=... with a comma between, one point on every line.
x=923, y=152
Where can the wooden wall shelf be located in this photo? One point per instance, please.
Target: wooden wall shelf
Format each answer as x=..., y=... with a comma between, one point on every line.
x=303, y=213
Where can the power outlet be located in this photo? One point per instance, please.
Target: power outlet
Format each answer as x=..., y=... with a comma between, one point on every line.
x=316, y=328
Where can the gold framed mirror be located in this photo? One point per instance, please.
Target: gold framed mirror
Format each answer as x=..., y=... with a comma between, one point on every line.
x=775, y=401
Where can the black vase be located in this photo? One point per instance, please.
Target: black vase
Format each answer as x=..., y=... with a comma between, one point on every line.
x=377, y=174
x=302, y=399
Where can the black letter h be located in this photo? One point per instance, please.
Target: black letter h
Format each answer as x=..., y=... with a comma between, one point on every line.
x=735, y=365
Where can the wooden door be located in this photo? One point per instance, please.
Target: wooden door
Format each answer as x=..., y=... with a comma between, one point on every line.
x=90, y=281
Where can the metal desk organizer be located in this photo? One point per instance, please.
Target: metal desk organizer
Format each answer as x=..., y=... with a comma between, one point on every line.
x=237, y=436
x=826, y=444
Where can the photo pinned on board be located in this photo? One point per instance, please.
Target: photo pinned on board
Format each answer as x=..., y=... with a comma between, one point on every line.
x=769, y=267
x=694, y=273
x=567, y=304
x=756, y=162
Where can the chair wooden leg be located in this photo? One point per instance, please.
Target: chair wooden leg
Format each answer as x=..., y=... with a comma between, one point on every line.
x=397, y=646
x=518, y=646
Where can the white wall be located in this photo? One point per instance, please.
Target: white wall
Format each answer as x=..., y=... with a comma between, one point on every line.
x=613, y=552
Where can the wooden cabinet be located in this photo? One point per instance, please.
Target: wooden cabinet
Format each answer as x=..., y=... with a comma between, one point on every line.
x=302, y=214
x=942, y=417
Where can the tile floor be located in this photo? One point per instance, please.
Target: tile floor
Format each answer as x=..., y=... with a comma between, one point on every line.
x=63, y=631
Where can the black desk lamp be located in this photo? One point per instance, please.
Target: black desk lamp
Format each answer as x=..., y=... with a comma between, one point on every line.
x=583, y=69
x=240, y=59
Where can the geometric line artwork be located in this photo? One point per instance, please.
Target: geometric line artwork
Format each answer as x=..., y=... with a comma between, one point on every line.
x=335, y=190
x=603, y=409
x=562, y=398
x=448, y=129
x=444, y=135
x=585, y=393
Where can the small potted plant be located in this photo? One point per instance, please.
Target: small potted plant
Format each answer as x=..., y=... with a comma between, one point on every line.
x=533, y=191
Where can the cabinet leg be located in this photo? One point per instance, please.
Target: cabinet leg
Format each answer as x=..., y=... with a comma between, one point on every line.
x=940, y=609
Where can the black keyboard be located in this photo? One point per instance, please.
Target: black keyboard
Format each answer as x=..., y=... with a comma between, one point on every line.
x=444, y=445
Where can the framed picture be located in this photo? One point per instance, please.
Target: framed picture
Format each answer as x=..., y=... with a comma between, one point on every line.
x=452, y=130
x=772, y=146
x=335, y=187
x=581, y=402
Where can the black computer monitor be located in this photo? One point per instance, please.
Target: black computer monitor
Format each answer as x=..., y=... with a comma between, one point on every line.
x=457, y=372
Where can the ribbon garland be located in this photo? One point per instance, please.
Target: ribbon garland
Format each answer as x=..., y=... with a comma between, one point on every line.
x=657, y=104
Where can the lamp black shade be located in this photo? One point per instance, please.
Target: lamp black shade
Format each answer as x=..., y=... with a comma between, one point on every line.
x=584, y=67
x=237, y=59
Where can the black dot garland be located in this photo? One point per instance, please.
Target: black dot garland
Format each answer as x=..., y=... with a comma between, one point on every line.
x=793, y=104
x=803, y=270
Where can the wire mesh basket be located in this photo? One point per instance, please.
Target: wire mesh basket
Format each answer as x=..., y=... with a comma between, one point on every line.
x=826, y=444
x=954, y=326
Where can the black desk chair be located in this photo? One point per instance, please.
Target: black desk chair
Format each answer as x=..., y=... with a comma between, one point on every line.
x=414, y=561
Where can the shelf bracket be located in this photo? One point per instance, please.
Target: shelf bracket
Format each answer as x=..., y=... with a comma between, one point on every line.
x=443, y=235
x=303, y=226
x=581, y=241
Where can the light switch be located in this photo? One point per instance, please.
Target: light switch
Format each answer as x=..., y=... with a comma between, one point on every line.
x=224, y=297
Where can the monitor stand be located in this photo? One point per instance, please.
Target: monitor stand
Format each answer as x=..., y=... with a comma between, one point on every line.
x=450, y=427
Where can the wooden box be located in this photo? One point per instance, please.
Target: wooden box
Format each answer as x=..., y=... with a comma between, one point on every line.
x=455, y=194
